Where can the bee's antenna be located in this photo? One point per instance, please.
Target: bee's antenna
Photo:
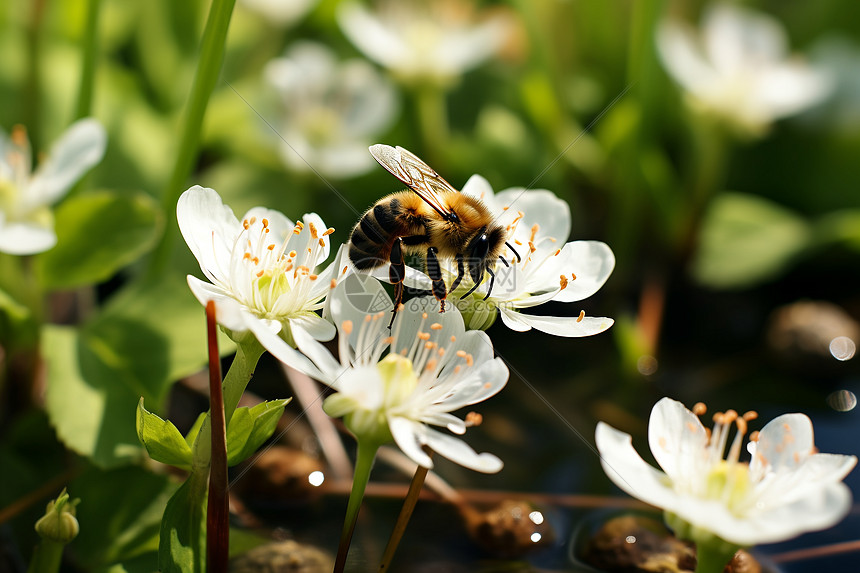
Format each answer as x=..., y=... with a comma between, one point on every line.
x=514, y=250
x=504, y=260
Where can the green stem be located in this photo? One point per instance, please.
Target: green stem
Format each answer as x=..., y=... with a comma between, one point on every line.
x=363, y=464
x=32, y=89
x=208, y=69
x=713, y=558
x=403, y=519
x=88, y=63
x=248, y=353
x=432, y=110
x=46, y=557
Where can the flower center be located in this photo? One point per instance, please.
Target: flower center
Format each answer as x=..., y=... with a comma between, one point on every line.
x=277, y=282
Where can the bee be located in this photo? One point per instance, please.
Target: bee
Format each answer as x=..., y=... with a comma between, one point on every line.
x=434, y=220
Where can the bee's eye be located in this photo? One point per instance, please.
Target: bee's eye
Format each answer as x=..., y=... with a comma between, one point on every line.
x=480, y=248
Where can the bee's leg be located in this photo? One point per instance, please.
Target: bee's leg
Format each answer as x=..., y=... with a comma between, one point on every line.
x=474, y=286
x=492, y=280
x=434, y=271
x=461, y=271
x=396, y=274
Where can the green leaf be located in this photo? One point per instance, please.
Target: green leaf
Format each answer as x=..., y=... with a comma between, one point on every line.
x=166, y=309
x=250, y=427
x=120, y=515
x=98, y=234
x=87, y=405
x=162, y=440
x=195, y=429
x=183, y=528
x=746, y=240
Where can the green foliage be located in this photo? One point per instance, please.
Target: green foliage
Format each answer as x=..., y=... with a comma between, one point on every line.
x=746, y=240
x=183, y=528
x=98, y=234
x=250, y=427
x=162, y=440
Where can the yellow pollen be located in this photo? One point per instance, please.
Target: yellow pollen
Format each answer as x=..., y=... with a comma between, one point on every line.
x=562, y=280
x=346, y=326
x=289, y=267
x=751, y=415
x=245, y=224
x=535, y=229
x=506, y=207
x=469, y=360
x=557, y=251
x=742, y=425
x=461, y=353
x=309, y=250
x=532, y=247
x=246, y=256
x=300, y=225
x=313, y=277
x=453, y=338
x=367, y=318
x=400, y=307
x=265, y=223
x=429, y=345
x=699, y=408
x=474, y=419
x=424, y=335
x=303, y=268
x=754, y=436
x=731, y=416
x=333, y=283
x=260, y=274
x=253, y=220
x=572, y=277
x=293, y=254
x=322, y=243
x=517, y=241
x=581, y=316
x=378, y=315
x=431, y=365
x=403, y=352
x=457, y=369
x=296, y=230
x=441, y=351
x=435, y=326
x=256, y=260
x=271, y=247
x=313, y=229
x=553, y=240
x=424, y=315
x=328, y=231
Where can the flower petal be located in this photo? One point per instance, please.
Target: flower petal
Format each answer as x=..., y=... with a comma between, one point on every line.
x=330, y=368
x=407, y=434
x=354, y=297
x=281, y=350
x=590, y=261
x=567, y=326
x=459, y=451
x=629, y=471
x=677, y=439
x=410, y=319
x=378, y=42
x=539, y=207
x=210, y=229
x=26, y=238
x=78, y=149
x=228, y=312
x=314, y=325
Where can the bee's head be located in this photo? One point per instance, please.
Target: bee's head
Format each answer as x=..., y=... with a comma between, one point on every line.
x=485, y=246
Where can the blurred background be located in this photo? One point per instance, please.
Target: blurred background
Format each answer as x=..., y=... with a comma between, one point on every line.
x=734, y=217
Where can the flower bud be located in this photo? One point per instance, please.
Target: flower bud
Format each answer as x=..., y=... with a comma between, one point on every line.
x=59, y=523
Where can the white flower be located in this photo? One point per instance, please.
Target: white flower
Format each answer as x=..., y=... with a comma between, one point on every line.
x=739, y=68
x=417, y=41
x=262, y=271
x=786, y=489
x=26, y=220
x=281, y=12
x=432, y=367
x=332, y=110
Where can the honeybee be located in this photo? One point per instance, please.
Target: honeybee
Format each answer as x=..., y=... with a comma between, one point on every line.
x=433, y=219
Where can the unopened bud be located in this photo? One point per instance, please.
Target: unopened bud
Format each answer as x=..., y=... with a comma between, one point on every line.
x=59, y=523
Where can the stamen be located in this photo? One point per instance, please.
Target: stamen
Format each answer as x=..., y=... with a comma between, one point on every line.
x=572, y=276
x=562, y=280
x=333, y=283
x=328, y=231
x=313, y=229
x=346, y=326
x=265, y=223
x=699, y=408
x=271, y=247
x=754, y=436
x=435, y=326
x=581, y=316
x=293, y=254
x=473, y=419
x=461, y=353
x=751, y=415
x=245, y=224
x=424, y=335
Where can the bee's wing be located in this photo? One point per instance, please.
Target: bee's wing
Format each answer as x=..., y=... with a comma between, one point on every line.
x=419, y=176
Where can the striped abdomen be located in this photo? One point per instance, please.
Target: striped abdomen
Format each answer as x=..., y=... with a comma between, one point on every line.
x=372, y=238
